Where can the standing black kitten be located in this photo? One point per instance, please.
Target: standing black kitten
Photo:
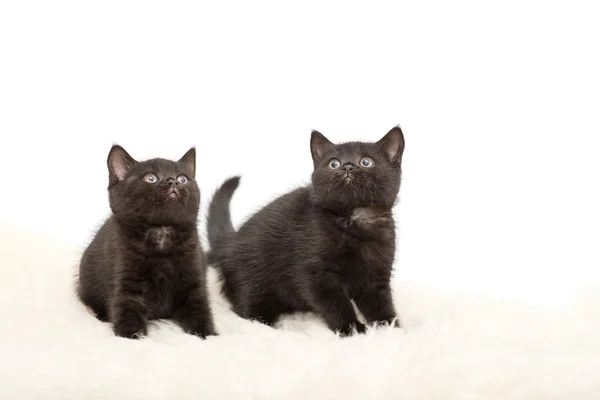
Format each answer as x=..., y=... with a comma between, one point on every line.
x=320, y=246
x=146, y=262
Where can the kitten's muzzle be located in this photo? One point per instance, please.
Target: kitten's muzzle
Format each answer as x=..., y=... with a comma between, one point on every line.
x=347, y=175
x=170, y=190
x=173, y=193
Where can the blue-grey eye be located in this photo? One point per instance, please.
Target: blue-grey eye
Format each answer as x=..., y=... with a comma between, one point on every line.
x=151, y=178
x=334, y=164
x=367, y=162
x=182, y=179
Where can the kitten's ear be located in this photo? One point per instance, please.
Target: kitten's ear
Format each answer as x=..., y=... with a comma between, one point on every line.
x=189, y=160
x=319, y=144
x=392, y=145
x=119, y=164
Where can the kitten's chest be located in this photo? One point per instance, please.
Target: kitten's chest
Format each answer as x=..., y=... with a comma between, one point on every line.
x=163, y=272
x=161, y=239
x=365, y=226
x=366, y=245
x=162, y=282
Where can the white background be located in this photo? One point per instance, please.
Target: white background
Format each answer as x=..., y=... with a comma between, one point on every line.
x=499, y=103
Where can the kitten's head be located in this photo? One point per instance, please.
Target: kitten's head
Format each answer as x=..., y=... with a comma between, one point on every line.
x=155, y=191
x=357, y=174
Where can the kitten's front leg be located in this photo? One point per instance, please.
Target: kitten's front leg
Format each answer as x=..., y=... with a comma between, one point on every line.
x=377, y=306
x=335, y=307
x=192, y=310
x=128, y=314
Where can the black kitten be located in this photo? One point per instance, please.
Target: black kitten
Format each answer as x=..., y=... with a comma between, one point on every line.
x=320, y=246
x=146, y=262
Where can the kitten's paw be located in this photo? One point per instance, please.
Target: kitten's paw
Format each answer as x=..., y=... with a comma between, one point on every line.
x=393, y=322
x=202, y=330
x=130, y=329
x=360, y=328
x=265, y=320
x=203, y=333
x=352, y=328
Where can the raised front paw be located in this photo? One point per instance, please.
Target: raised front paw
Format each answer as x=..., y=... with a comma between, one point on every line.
x=351, y=328
x=130, y=328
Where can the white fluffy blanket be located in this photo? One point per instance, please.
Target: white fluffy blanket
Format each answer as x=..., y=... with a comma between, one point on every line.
x=452, y=347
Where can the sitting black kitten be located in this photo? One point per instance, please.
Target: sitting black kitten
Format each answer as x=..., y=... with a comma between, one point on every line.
x=320, y=246
x=146, y=261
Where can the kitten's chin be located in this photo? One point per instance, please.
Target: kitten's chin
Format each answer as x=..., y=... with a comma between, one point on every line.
x=172, y=196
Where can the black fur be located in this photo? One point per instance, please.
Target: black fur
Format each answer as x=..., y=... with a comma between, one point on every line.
x=320, y=246
x=146, y=261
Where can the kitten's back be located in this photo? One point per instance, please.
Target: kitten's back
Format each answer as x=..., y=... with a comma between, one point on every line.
x=96, y=270
x=277, y=220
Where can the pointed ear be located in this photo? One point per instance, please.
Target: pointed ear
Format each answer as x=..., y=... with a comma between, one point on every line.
x=119, y=164
x=319, y=144
x=189, y=160
x=392, y=145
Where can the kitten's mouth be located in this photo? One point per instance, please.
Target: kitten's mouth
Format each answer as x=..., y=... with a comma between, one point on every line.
x=347, y=179
x=173, y=194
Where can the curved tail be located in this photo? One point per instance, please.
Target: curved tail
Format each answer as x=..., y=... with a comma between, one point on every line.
x=219, y=217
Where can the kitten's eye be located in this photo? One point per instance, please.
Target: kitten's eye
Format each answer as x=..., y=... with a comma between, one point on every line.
x=367, y=162
x=182, y=179
x=334, y=164
x=151, y=178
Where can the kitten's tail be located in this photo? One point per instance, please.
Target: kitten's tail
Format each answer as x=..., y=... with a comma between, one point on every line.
x=219, y=217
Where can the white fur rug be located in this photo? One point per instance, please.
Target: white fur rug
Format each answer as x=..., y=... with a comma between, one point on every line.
x=462, y=347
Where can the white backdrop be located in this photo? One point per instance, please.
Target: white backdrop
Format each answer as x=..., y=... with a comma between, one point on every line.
x=499, y=104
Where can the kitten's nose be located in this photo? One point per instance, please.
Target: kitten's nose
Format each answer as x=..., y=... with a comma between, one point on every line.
x=348, y=167
x=171, y=181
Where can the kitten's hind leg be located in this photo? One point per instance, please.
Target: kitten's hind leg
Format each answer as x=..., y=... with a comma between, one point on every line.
x=266, y=309
x=264, y=313
x=100, y=310
x=192, y=310
x=102, y=315
x=97, y=307
x=376, y=305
